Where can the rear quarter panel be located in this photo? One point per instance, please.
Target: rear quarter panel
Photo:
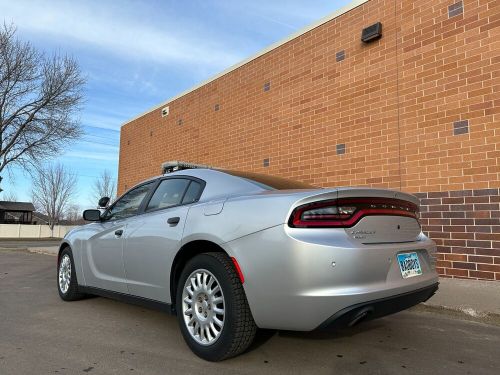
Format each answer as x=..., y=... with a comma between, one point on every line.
x=239, y=216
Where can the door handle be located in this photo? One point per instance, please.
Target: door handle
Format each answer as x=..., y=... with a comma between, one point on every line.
x=119, y=232
x=173, y=221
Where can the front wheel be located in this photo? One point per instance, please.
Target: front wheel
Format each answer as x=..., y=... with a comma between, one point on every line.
x=67, y=284
x=212, y=308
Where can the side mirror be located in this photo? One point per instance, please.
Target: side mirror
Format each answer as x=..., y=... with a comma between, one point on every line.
x=103, y=202
x=92, y=215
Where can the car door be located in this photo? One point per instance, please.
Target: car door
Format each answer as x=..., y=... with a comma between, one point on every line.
x=103, y=252
x=153, y=238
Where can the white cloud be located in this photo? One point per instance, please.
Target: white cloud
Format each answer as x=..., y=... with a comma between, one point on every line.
x=292, y=14
x=101, y=121
x=94, y=150
x=99, y=26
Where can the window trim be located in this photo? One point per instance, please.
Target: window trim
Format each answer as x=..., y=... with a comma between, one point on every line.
x=182, y=177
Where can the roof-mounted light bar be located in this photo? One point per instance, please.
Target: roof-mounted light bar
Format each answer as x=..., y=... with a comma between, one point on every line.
x=176, y=165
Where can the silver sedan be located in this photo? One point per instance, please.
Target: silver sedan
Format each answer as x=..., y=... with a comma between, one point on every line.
x=230, y=252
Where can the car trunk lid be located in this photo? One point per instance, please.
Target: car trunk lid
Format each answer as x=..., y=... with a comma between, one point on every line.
x=368, y=216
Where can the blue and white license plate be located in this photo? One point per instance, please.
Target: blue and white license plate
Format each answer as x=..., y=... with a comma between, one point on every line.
x=409, y=265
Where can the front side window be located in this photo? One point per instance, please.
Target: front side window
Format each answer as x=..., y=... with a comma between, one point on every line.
x=129, y=204
x=169, y=193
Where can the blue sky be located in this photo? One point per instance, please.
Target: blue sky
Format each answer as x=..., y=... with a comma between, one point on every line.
x=137, y=54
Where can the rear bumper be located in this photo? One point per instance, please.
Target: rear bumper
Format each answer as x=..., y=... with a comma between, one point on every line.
x=378, y=308
x=296, y=279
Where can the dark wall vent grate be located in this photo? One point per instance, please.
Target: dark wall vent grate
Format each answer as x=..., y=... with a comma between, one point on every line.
x=455, y=9
x=340, y=55
x=461, y=127
x=340, y=148
x=372, y=32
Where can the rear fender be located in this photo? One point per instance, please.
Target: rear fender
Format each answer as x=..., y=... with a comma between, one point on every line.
x=239, y=217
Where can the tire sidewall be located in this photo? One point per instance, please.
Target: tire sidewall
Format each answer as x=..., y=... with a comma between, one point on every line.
x=223, y=344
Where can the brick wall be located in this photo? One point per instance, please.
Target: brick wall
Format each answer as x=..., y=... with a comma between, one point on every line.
x=466, y=227
x=417, y=110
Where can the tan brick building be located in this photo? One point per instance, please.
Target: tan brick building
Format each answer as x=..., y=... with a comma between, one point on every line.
x=416, y=110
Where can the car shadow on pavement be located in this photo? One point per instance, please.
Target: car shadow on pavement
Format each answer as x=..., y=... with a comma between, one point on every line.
x=328, y=334
x=264, y=335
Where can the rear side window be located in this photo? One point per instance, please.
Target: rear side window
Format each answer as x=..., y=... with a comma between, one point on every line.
x=269, y=182
x=192, y=193
x=169, y=193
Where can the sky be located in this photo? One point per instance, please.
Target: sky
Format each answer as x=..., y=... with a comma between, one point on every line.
x=137, y=54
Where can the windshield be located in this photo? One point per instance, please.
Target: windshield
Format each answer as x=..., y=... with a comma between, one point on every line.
x=269, y=182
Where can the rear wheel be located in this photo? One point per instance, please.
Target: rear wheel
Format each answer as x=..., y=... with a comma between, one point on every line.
x=212, y=308
x=67, y=284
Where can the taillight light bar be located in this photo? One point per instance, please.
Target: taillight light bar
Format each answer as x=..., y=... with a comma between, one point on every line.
x=346, y=212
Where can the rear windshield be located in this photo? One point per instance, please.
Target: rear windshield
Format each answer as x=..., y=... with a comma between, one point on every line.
x=270, y=182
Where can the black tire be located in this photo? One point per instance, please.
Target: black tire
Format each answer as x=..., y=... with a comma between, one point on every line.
x=239, y=327
x=72, y=294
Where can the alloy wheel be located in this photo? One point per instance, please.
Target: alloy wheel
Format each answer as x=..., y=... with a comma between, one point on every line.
x=203, y=307
x=64, y=273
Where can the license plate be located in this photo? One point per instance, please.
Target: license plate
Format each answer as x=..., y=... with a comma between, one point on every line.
x=409, y=265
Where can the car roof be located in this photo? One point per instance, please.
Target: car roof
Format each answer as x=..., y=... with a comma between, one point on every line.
x=218, y=183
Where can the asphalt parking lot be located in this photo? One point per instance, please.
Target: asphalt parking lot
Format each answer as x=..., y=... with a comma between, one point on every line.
x=40, y=334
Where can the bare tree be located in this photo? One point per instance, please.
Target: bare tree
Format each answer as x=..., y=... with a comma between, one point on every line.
x=10, y=197
x=39, y=99
x=104, y=186
x=73, y=214
x=53, y=189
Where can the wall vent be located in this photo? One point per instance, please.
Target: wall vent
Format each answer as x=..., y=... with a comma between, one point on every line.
x=340, y=148
x=165, y=111
x=455, y=9
x=461, y=127
x=340, y=55
x=371, y=33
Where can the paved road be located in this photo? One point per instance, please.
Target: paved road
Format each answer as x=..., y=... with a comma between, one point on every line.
x=40, y=334
x=23, y=244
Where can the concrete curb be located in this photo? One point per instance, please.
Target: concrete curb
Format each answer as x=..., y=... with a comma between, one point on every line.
x=43, y=251
x=35, y=250
x=460, y=313
x=17, y=239
x=52, y=250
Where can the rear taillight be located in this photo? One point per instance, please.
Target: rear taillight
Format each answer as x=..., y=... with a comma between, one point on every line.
x=346, y=212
